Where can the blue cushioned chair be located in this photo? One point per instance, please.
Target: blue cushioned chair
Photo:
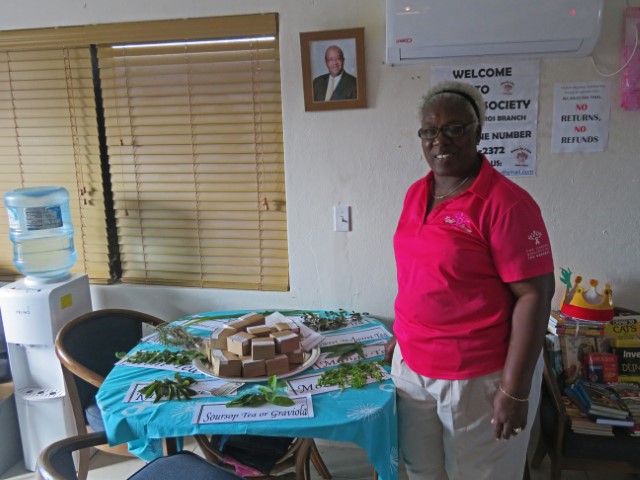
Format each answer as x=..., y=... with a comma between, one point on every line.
x=86, y=347
x=56, y=463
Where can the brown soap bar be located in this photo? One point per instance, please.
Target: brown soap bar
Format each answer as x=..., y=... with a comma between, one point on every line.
x=252, y=319
x=263, y=348
x=289, y=325
x=253, y=368
x=277, y=365
x=286, y=341
x=219, y=335
x=239, y=343
x=296, y=356
x=225, y=364
x=259, y=331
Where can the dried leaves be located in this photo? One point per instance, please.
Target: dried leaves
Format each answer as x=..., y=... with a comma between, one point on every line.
x=330, y=320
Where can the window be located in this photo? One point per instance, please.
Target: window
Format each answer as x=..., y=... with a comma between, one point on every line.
x=193, y=133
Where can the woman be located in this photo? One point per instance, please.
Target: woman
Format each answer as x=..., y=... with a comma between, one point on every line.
x=475, y=282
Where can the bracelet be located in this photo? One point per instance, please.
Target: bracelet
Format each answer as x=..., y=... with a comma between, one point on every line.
x=511, y=396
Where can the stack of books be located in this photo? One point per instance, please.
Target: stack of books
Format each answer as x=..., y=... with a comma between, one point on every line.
x=587, y=348
x=623, y=326
x=582, y=423
x=600, y=403
x=561, y=324
x=629, y=392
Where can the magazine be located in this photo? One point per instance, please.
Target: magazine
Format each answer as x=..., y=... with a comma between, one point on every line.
x=629, y=392
x=601, y=400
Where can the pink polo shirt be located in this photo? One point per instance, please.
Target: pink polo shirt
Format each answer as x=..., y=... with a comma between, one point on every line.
x=453, y=309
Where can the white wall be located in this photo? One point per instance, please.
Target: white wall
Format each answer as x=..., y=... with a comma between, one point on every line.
x=366, y=158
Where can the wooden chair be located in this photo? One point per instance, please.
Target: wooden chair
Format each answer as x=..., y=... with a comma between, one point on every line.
x=574, y=451
x=298, y=455
x=86, y=347
x=56, y=463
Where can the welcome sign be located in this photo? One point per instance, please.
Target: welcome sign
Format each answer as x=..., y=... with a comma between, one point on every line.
x=510, y=92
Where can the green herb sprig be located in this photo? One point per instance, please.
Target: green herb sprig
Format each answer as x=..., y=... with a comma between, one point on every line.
x=330, y=320
x=268, y=394
x=178, y=388
x=351, y=374
x=163, y=356
x=344, y=350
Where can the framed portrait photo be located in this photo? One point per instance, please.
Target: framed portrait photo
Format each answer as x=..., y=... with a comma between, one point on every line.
x=333, y=74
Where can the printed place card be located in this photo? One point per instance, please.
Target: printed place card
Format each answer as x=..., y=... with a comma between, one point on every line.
x=308, y=384
x=366, y=335
x=207, y=413
x=370, y=351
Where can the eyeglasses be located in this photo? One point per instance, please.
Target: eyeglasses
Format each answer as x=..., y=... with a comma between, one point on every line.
x=449, y=131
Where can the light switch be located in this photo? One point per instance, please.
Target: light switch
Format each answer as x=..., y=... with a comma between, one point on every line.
x=341, y=219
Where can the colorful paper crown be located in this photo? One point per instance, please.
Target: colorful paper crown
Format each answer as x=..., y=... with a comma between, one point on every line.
x=586, y=304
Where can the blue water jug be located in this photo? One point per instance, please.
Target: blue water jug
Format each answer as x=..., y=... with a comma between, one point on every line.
x=41, y=231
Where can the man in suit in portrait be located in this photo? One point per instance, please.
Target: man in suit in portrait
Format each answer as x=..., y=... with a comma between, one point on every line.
x=337, y=84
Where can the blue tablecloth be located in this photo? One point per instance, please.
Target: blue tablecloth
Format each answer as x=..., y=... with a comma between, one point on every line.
x=366, y=416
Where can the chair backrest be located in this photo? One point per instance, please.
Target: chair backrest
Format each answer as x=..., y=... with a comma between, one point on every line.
x=86, y=347
x=297, y=456
x=56, y=463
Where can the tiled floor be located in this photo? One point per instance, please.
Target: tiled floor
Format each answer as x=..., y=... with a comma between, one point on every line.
x=344, y=461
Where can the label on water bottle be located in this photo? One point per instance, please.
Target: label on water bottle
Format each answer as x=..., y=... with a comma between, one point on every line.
x=43, y=218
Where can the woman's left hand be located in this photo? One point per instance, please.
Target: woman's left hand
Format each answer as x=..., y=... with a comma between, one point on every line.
x=528, y=326
x=509, y=416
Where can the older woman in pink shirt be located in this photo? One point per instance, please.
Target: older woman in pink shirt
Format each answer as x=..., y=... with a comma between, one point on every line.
x=475, y=282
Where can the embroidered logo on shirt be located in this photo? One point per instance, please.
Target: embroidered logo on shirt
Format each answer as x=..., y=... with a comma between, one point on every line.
x=535, y=236
x=459, y=220
x=539, y=250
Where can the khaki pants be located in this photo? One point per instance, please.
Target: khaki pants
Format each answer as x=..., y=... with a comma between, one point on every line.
x=445, y=429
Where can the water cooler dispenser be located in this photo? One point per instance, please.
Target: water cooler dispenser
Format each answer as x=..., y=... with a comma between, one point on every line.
x=34, y=309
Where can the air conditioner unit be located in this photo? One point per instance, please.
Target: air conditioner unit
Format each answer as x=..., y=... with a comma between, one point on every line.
x=419, y=30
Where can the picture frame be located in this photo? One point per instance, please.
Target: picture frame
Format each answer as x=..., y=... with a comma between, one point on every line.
x=320, y=53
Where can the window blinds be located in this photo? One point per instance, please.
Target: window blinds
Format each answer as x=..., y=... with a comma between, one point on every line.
x=194, y=136
x=48, y=136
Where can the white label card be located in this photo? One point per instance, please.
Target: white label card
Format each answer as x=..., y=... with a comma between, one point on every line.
x=207, y=413
x=309, y=384
x=370, y=351
x=368, y=334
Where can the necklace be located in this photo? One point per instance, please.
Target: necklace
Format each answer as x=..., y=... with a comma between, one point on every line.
x=456, y=188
